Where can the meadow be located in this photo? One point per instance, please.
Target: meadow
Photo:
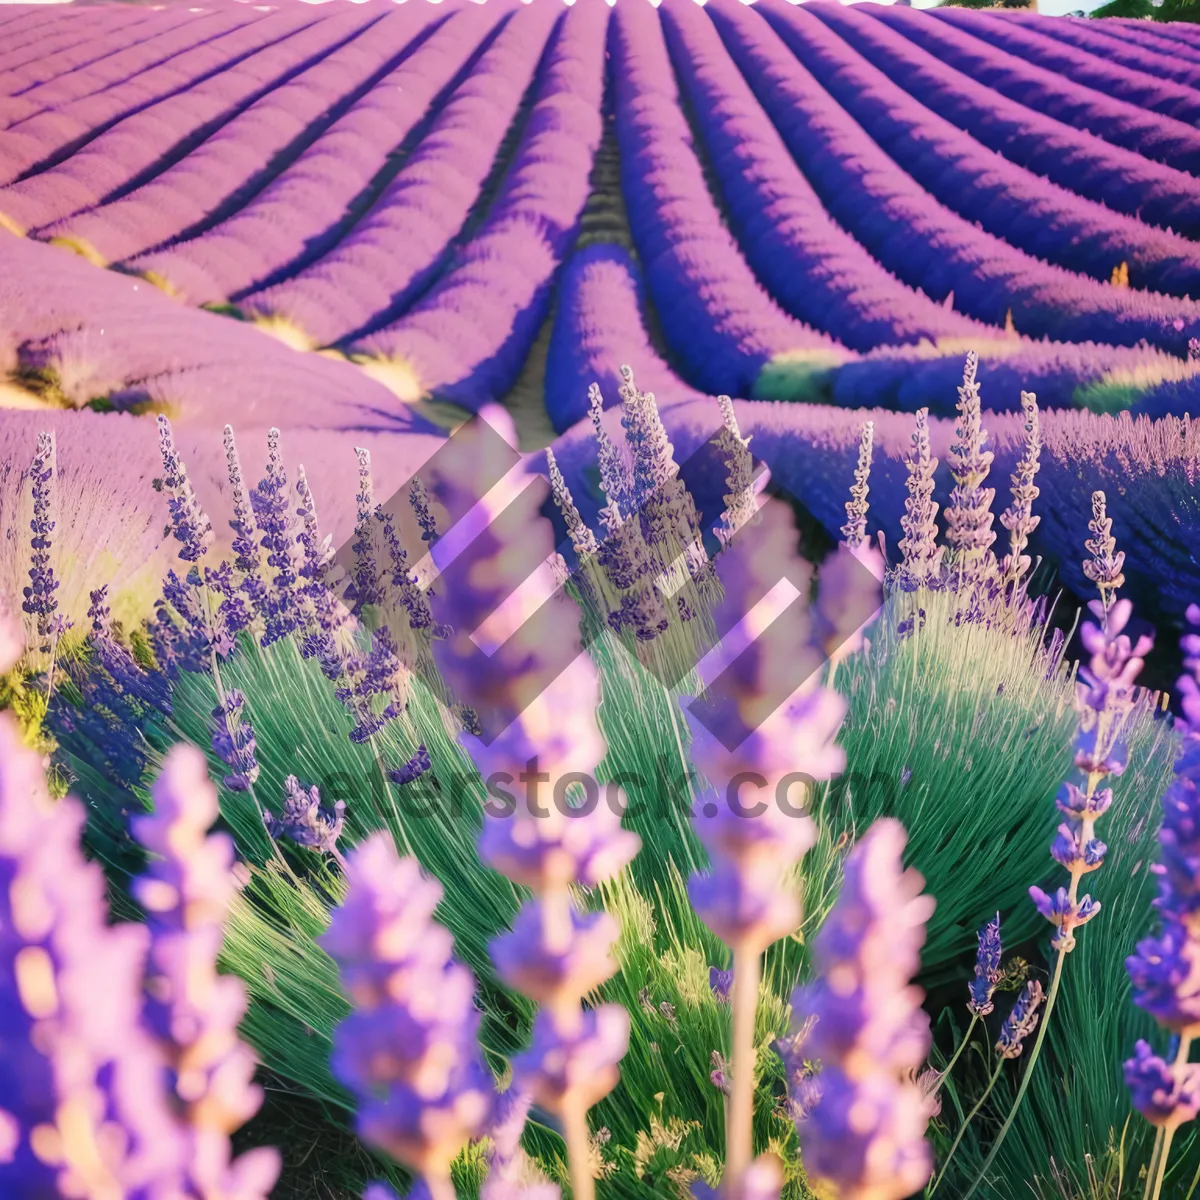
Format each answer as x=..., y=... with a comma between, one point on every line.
x=598, y=601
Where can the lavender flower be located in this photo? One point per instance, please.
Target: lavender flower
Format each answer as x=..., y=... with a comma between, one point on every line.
x=405, y=586
x=191, y=528
x=275, y=519
x=921, y=555
x=305, y=821
x=1167, y=1095
x=763, y=1180
x=1104, y=567
x=741, y=498
x=866, y=1134
x=233, y=742
x=854, y=532
x=92, y=1116
x=413, y=769
x=194, y=1012
x=1193, y=349
x=615, y=476
x=1104, y=699
x=582, y=538
x=365, y=586
x=721, y=984
x=39, y=595
x=420, y=506
x=408, y=1051
x=1021, y=1021
x=512, y=1174
x=987, y=969
x=969, y=513
x=1018, y=518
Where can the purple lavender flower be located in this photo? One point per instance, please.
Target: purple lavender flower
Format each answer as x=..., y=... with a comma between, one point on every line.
x=568, y=1069
x=413, y=769
x=512, y=1174
x=74, y=1053
x=741, y=498
x=1018, y=518
x=365, y=586
x=305, y=821
x=233, y=742
x=1021, y=1021
x=854, y=532
x=721, y=984
x=419, y=500
x=921, y=555
x=762, y=1180
x=191, y=528
x=1104, y=567
x=1167, y=1096
x=987, y=969
x=969, y=513
x=408, y=1051
x=186, y=892
x=616, y=479
x=245, y=537
x=583, y=540
x=866, y=1134
x=279, y=540
x=409, y=593
x=40, y=600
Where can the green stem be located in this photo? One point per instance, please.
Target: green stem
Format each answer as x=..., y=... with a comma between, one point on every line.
x=1025, y=1079
x=739, y=1133
x=945, y=1073
x=987, y=1091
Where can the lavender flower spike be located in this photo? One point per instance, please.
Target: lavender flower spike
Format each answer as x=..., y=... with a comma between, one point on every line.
x=408, y=1051
x=921, y=555
x=1166, y=1094
x=40, y=600
x=1018, y=518
x=186, y=892
x=866, y=1133
x=233, y=742
x=854, y=532
x=281, y=544
x=89, y=1114
x=741, y=499
x=305, y=821
x=1104, y=566
x=582, y=538
x=1021, y=1021
x=192, y=529
x=969, y=513
x=615, y=476
x=987, y=969
x=419, y=500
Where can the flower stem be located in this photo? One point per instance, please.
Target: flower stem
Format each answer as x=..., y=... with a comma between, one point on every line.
x=945, y=1074
x=1025, y=1079
x=987, y=1091
x=739, y=1134
x=579, y=1151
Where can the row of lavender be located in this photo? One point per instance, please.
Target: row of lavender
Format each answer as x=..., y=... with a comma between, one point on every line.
x=869, y=205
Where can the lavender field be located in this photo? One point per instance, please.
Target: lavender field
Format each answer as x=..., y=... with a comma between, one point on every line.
x=404, y=404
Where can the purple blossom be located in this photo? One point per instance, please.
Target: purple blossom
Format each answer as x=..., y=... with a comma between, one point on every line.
x=720, y=984
x=866, y=1134
x=413, y=769
x=406, y=588
x=583, y=540
x=921, y=555
x=987, y=969
x=1167, y=1096
x=408, y=1051
x=573, y=1068
x=1065, y=914
x=419, y=500
x=305, y=821
x=854, y=532
x=186, y=892
x=233, y=742
x=1104, y=566
x=743, y=488
x=1021, y=1021
x=40, y=600
x=189, y=525
x=365, y=586
x=245, y=531
x=616, y=478
x=279, y=541
x=1018, y=518
x=969, y=513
